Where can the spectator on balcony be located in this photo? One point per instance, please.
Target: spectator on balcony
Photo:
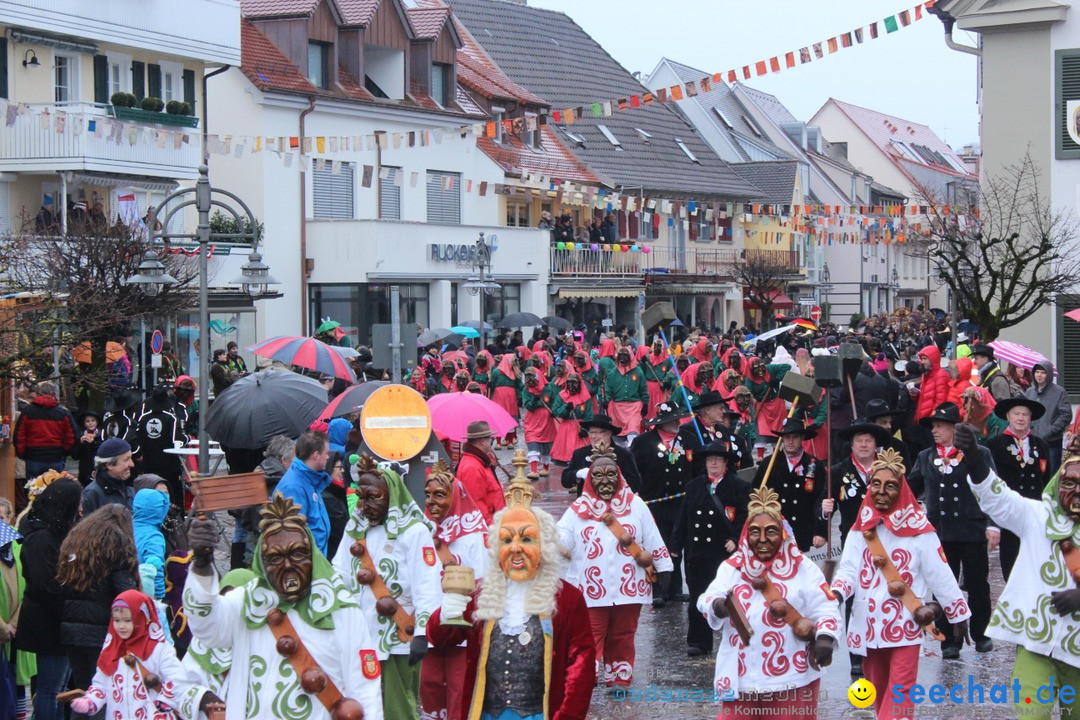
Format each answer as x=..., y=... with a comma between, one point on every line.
x=547, y=222
x=46, y=222
x=610, y=229
x=78, y=218
x=564, y=229
x=595, y=235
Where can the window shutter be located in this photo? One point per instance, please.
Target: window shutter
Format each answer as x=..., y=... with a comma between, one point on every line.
x=138, y=79
x=333, y=194
x=101, y=79
x=1067, y=67
x=189, y=89
x=153, y=79
x=3, y=68
x=622, y=224
x=634, y=234
x=444, y=205
x=390, y=196
x=1069, y=373
x=5, y=207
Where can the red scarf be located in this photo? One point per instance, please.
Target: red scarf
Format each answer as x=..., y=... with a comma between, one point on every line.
x=905, y=519
x=146, y=632
x=689, y=379
x=590, y=507
x=701, y=351
x=783, y=566
x=463, y=517
x=582, y=395
x=864, y=470
x=506, y=365
x=607, y=348
x=658, y=360
x=623, y=369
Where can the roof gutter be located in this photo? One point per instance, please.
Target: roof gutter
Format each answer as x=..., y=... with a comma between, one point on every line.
x=305, y=266
x=205, y=104
x=949, y=22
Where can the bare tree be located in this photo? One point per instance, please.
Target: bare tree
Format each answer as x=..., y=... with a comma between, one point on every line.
x=78, y=289
x=763, y=274
x=1011, y=257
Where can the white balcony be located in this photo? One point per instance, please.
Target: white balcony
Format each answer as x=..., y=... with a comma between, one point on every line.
x=204, y=30
x=90, y=141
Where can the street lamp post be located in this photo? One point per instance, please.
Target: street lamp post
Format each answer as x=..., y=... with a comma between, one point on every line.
x=825, y=287
x=255, y=277
x=894, y=286
x=479, y=284
x=152, y=278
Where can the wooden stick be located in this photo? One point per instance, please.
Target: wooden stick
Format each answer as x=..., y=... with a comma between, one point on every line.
x=829, y=568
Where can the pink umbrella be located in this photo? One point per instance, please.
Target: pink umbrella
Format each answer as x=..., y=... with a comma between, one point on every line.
x=1017, y=354
x=451, y=414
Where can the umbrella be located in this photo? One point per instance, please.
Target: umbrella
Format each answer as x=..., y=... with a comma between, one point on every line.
x=307, y=353
x=346, y=352
x=264, y=404
x=465, y=331
x=1017, y=354
x=557, y=323
x=432, y=336
x=452, y=355
x=769, y=334
x=351, y=400
x=1073, y=314
x=677, y=323
x=478, y=325
x=451, y=414
x=521, y=319
x=114, y=351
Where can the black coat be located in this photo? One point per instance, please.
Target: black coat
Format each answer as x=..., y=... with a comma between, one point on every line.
x=582, y=458
x=1028, y=480
x=689, y=438
x=848, y=490
x=106, y=490
x=664, y=469
x=800, y=494
x=39, y=619
x=86, y=615
x=950, y=505
x=703, y=529
x=869, y=385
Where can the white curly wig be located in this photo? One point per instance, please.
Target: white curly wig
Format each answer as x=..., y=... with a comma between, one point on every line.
x=491, y=603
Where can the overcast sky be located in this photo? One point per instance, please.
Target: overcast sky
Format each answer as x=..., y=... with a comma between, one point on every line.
x=909, y=73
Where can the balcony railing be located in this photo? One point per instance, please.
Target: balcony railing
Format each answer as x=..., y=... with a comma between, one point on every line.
x=658, y=261
x=91, y=140
x=785, y=259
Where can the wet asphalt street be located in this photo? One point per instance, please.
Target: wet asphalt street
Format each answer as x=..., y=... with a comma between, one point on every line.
x=662, y=661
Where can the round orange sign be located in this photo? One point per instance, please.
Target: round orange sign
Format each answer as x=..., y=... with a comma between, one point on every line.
x=395, y=422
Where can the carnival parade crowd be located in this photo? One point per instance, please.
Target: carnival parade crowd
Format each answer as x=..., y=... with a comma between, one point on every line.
x=691, y=477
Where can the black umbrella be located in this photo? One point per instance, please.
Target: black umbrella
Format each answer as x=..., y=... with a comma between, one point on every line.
x=433, y=336
x=521, y=319
x=478, y=325
x=557, y=323
x=264, y=404
x=351, y=400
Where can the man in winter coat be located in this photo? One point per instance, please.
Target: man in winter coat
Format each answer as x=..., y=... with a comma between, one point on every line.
x=476, y=470
x=990, y=375
x=304, y=482
x=1058, y=410
x=934, y=387
x=44, y=433
x=112, y=477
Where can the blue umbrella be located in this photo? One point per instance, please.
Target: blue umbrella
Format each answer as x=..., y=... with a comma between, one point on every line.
x=465, y=331
x=677, y=323
x=478, y=325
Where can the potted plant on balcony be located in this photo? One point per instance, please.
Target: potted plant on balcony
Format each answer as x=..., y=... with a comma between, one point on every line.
x=125, y=106
x=152, y=104
x=123, y=99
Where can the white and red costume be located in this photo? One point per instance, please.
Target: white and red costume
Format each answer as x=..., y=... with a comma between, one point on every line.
x=463, y=532
x=775, y=660
x=614, y=585
x=881, y=628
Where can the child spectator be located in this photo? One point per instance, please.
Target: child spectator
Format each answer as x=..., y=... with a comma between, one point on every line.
x=148, y=513
x=87, y=444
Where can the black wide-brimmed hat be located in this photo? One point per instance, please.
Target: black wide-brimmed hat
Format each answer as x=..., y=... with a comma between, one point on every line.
x=863, y=426
x=1004, y=406
x=878, y=408
x=795, y=426
x=603, y=422
x=707, y=398
x=666, y=412
x=984, y=350
x=945, y=412
x=719, y=448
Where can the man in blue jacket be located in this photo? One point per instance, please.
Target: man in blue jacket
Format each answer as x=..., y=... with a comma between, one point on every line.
x=305, y=480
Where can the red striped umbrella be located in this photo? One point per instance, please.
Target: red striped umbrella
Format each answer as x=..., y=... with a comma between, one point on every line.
x=305, y=352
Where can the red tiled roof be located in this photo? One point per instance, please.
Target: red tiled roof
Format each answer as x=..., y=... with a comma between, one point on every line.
x=356, y=12
x=427, y=22
x=883, y=130
x=276, y=8
x=551, y=158
x=266, y=66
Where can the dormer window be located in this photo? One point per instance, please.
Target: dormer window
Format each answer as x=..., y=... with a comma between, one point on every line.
x=498, y=114
x=532, y=135
x=442, y=83
x=319, y=64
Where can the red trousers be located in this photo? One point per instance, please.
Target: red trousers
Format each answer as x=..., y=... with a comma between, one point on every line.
x=795, y=703
x=442, y=677
x=613, y=630
x=886, y=667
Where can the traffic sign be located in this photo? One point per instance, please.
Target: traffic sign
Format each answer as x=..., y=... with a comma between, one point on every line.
x=395, y=422
x=156, y=342
x=815, y=313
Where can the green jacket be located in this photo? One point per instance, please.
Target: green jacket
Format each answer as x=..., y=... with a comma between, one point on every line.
x=561, y=410
x=630, y=387
x=760, y=389
x=532, y=401
x=500, y=380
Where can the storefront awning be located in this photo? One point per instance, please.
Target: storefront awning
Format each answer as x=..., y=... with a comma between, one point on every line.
x=620, y=292
x=780, y=301
x=106, y=180
x=689, y=288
